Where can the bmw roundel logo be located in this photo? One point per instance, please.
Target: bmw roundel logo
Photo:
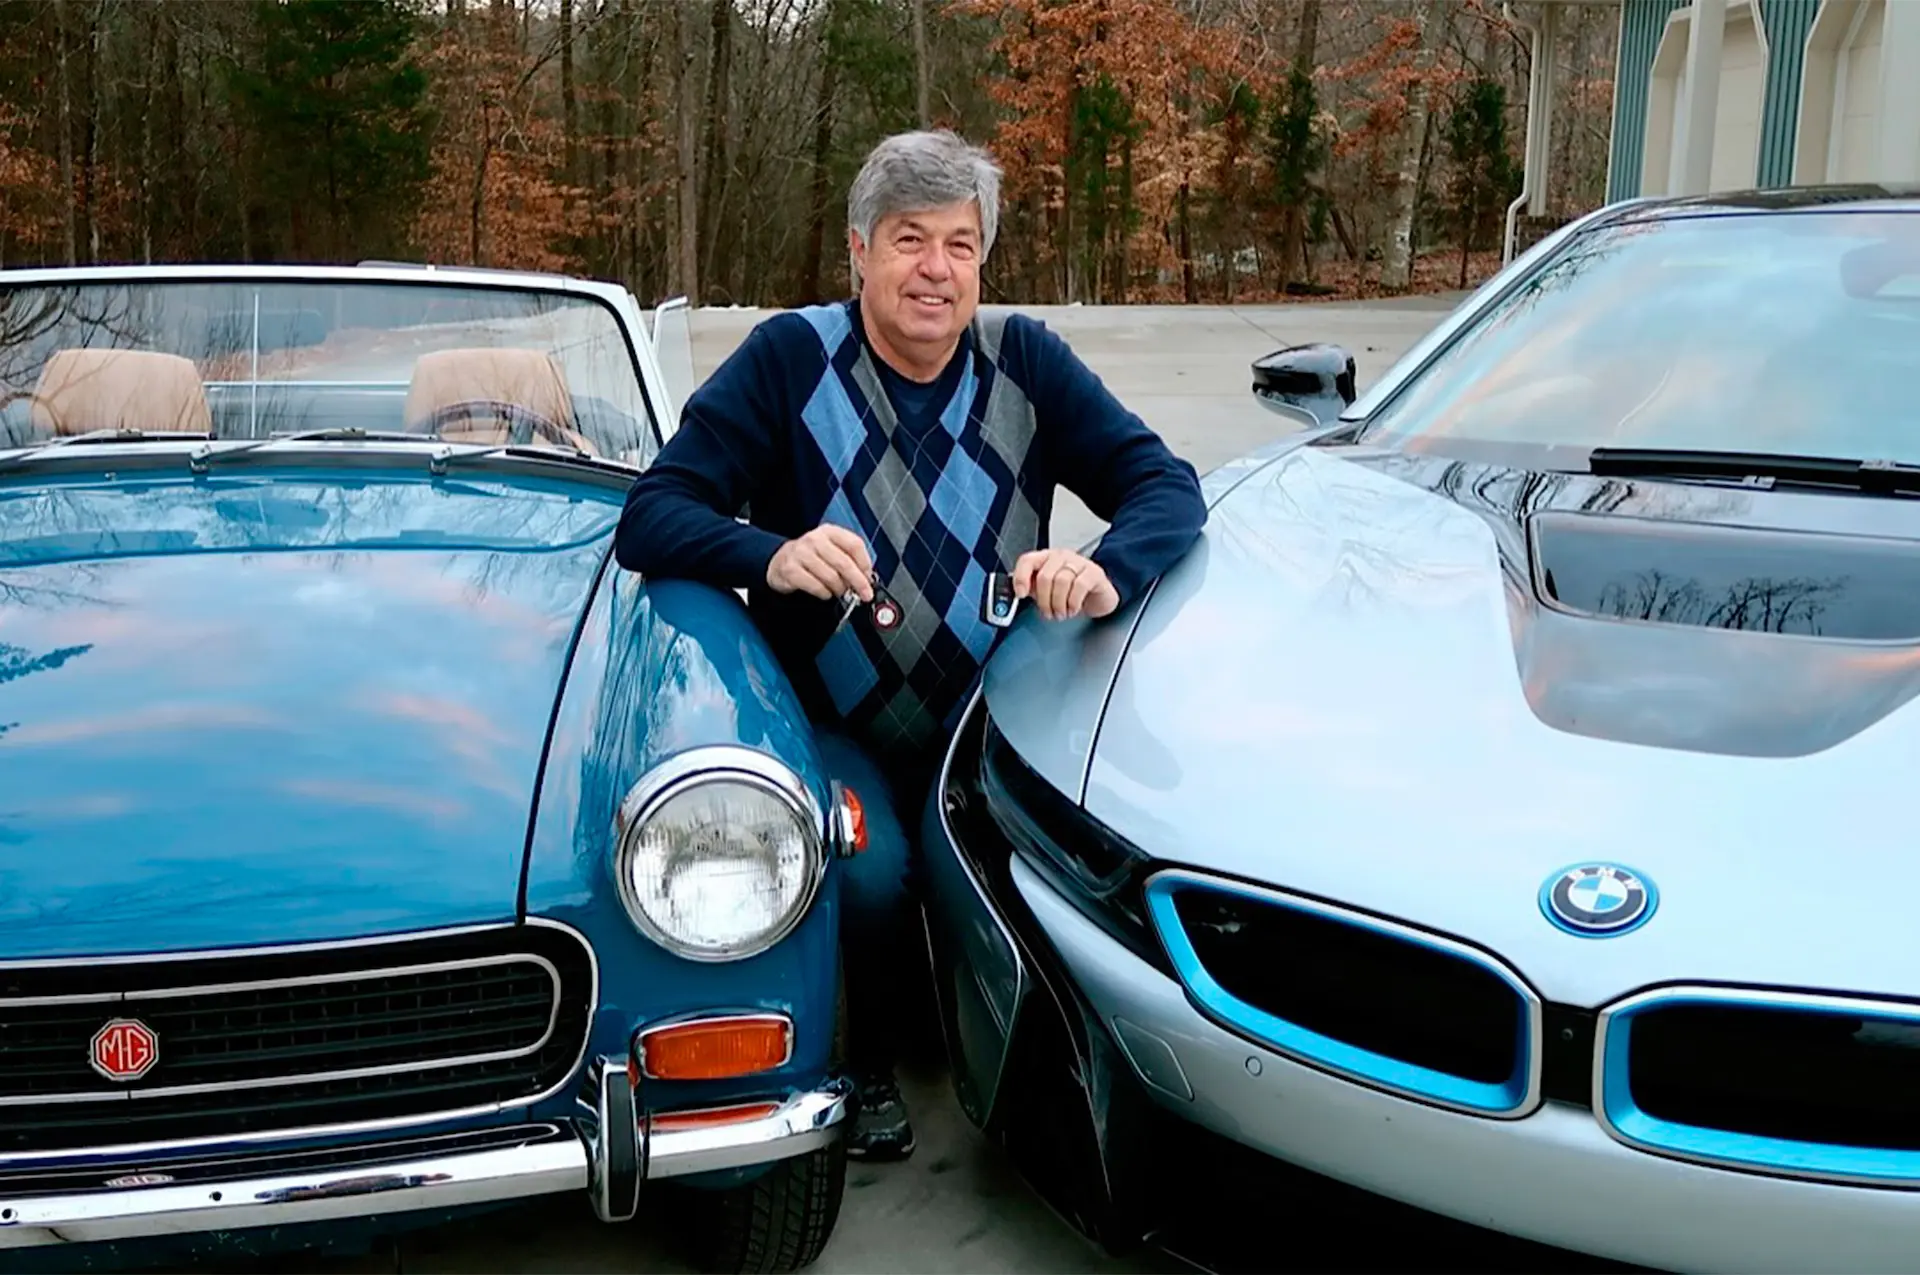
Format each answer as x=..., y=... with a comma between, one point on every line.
x=1598, y=900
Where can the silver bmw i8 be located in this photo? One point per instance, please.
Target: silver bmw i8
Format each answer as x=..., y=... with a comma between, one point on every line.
x=1495, y=810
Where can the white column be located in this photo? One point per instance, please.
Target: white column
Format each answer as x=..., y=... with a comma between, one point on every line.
x=1899, y=152
x=1677, y=132
x=1699, y=106
x=1540, y=105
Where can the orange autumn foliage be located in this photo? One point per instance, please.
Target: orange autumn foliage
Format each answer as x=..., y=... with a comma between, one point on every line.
x=1161, y=65
x=1378, y=80
x=30, y=196
x=493, y=198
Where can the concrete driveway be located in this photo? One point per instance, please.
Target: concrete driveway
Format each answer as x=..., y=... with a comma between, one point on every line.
x=957, y=1205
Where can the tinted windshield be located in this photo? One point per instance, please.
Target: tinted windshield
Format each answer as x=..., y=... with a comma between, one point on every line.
x=1784, y=333
x=249, y=360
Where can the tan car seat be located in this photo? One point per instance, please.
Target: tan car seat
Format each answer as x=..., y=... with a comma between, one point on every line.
x=84, y=390
x=477, y=393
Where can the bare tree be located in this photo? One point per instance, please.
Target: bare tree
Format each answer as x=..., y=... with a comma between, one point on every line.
x=1397, y=267
x=69, y=207
x=569, y=97
x=687, y=190
x=1293, y=240
x=713, y=177
x=922, y=65
x=812, y=277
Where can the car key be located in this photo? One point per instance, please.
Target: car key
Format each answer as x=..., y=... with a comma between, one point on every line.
x=998, y=604
x=886, y=612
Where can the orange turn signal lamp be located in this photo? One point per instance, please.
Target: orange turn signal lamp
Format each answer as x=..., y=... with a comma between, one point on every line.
x=849, y=821
x=856, y=818
x=718, y=1048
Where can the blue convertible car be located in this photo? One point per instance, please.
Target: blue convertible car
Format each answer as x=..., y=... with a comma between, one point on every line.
x=369, y=843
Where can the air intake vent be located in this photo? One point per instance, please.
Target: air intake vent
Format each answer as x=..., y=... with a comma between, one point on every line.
x=1383, y=1003
x=1811, y=1085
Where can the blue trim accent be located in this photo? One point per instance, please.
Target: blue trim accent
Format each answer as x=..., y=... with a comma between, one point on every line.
x=1741, y=1150
x=1646, y=914
x=1355, y=1063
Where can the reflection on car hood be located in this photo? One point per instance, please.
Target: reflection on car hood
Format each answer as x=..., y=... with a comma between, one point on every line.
x=224, y=719
x=1350, y=689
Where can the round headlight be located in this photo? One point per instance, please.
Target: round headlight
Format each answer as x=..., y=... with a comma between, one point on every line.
x=719, y=861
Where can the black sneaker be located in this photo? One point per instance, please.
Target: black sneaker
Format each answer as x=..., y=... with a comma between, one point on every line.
x=880, y=1130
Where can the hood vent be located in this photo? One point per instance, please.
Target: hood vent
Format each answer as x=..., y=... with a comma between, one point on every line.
x=1699, y=575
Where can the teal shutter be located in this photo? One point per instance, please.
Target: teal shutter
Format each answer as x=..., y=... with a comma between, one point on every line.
x=1787, y=23
x=1642, y=23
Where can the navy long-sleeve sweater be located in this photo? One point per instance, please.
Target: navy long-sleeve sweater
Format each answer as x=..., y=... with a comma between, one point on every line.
x=804, y=423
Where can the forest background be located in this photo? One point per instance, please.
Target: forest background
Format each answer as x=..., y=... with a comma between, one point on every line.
x=1157, y=151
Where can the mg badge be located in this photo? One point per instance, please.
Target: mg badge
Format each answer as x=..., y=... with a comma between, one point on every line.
x=125, y=1050
x=1598, y=900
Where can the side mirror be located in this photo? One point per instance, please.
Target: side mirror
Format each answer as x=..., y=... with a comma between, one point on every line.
x=1316, y=379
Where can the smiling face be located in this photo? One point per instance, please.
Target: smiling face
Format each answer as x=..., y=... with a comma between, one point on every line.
x=920, y=285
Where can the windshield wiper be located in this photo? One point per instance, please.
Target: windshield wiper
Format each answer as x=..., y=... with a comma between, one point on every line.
x=339, y=433
x=210, y=450
x=438, y=463
x=446, y=456
x=53, y=445
x=1757, y=469
x=349, y=434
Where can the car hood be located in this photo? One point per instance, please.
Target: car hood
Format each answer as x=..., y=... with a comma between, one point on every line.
x=275, y=710
x=1350, y=688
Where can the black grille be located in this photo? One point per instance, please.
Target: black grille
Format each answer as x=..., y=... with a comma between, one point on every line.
x=1398, y=998
x=1779, y=1072
x=289, y=1039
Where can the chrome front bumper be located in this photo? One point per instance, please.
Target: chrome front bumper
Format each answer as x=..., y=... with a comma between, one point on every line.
x=363, y=1180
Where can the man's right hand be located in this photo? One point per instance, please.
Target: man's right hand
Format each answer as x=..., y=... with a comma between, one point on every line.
x=828, y=562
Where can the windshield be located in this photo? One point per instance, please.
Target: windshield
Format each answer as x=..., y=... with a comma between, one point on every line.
x=254, y=359
x=1766, y=333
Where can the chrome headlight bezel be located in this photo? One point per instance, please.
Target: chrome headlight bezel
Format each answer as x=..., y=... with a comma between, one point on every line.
x=729, y=764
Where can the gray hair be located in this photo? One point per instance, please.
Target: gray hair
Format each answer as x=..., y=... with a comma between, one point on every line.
x=911, y=172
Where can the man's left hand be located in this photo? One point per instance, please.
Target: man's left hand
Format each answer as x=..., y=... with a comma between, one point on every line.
x=1064, y=584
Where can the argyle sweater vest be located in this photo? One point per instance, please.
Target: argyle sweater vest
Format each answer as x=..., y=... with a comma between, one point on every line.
x=945, y=481
x=940, y=506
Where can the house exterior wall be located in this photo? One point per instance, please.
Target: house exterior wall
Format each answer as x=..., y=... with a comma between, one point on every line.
x=1806, y=91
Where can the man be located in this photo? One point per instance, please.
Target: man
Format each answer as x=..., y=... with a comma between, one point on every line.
x=901, y=437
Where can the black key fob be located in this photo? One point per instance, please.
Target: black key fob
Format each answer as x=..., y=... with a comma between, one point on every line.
x=997, y=605
x=886, y=612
